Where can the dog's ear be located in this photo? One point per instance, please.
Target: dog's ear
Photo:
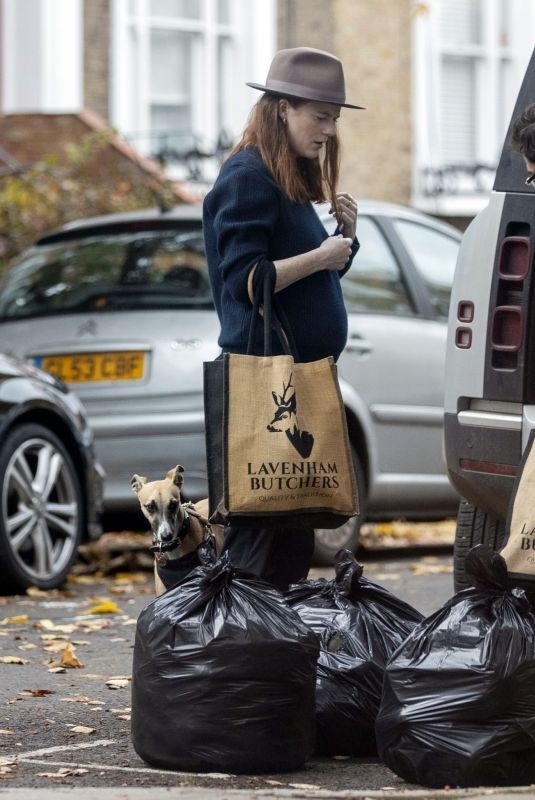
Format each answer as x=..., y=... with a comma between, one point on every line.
x=175, y=475
x=136, y=482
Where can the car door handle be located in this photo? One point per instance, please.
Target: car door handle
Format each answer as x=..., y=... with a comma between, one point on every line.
x=357, y=344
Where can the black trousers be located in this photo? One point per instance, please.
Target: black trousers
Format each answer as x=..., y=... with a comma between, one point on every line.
x=279, y=555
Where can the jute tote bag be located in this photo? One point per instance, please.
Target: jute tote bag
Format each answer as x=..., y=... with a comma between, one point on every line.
x=277, y=446
x=519, y=550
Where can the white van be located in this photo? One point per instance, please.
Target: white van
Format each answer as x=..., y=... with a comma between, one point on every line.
x=490, y=361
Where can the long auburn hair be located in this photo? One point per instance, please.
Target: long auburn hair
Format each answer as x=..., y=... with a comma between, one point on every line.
x=301, y=179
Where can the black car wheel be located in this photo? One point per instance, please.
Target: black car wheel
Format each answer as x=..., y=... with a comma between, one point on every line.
x=329, y=541
x=473, y=527
x=41, y=509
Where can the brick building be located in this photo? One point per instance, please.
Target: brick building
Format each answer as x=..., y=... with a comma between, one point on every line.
x=438, y=79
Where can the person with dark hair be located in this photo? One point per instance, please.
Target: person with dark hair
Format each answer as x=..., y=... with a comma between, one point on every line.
x=523, y=139
x=260, y=207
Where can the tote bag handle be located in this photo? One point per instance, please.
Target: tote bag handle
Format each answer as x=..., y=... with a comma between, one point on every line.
x=273, y=315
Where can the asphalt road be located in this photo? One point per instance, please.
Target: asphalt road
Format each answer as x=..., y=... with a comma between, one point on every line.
x=72, y=727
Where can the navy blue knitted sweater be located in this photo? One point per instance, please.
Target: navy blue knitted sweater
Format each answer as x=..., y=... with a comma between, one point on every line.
x=247, y=216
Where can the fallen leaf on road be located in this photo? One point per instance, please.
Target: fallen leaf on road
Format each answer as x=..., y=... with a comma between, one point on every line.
x=28, y=646
x=82, y=729
x=14, y=660
x=104, y=607
x=117, y=683
x=6, y=732
x=131, y=577
x=431, y=569
x=48, y=625
x=68, y=658
x=63, y=772
x=89, y=624
x=82, y=698
x=397, y=533
x=36, y=692
x=86, y=580
x=20, y=619
x=273, y=782
x=57, y=669
x=33, y=591
x=128, y=717
x=55, y=646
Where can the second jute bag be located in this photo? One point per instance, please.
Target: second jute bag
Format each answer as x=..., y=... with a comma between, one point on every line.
x=519, y=550
x=277, y=446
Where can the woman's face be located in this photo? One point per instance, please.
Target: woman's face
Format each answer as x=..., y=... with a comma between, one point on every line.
x=310, y=125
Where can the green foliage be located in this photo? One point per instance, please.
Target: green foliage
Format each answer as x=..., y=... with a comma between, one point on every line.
x=61, y=188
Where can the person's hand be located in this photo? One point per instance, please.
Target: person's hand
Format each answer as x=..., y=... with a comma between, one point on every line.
x=347, y=214
x=334, y=252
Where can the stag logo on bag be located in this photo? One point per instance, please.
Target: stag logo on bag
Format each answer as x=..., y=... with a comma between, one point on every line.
x=285, y=420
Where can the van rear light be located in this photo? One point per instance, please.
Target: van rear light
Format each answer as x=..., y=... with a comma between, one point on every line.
x=507, y=329
x=490, y=467
x=514, y=258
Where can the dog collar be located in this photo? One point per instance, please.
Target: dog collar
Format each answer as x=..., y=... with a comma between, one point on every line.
x=174, y=543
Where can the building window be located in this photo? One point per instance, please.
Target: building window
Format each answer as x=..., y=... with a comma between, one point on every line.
x=179, y=72
x=471, y=56
x=179, y=47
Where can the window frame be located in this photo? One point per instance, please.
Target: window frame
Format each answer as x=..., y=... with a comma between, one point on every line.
x=385, y=231
x=252, y=37
x=415, y=281
x=429, y=52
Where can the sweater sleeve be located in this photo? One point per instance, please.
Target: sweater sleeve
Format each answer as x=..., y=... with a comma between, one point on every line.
x=354, y=250
x=245, y=208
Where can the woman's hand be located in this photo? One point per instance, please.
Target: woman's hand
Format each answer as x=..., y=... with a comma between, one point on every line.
x=334, y=252
x=347, y=214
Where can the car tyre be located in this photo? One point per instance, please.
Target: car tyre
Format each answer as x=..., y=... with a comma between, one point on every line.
x=328, y=541
x=474, y=526
x=41, y=509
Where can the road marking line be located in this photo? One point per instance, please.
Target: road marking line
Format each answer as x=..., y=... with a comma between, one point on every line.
x=60, y=749
x=103, y=767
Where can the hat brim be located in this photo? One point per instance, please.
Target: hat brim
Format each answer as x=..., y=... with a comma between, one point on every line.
x=301, y=96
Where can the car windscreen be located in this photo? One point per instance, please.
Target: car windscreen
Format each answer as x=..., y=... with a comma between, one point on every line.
x=131, y=271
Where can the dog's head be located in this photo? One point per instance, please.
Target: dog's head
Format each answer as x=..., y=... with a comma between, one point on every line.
x=160, y=503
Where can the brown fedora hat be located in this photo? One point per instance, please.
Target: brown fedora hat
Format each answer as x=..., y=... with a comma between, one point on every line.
x=308, y=74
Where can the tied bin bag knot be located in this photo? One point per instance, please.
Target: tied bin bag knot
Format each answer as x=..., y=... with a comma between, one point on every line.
x=458, y=705
x=224, y=676
x=277, y=445
x=360, y=625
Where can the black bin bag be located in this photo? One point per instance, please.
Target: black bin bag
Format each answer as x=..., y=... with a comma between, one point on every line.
x=458, y=706
x=360, y=624
x=223, y=677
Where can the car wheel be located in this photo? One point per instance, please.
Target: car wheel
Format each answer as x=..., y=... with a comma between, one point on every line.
x=41, y=509
x=474, y=526
x=328, y=541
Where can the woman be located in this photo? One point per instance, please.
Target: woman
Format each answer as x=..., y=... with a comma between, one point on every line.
x=260, y=207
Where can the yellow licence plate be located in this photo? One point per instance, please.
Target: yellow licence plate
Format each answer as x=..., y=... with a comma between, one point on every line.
x=88, y=367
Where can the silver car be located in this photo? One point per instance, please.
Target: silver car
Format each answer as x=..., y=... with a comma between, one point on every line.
x=120, y=308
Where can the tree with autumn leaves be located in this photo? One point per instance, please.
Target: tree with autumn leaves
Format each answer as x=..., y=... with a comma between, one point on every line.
x=85, y=179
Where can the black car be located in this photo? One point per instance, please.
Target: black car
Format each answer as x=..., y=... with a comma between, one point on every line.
x=50, y=482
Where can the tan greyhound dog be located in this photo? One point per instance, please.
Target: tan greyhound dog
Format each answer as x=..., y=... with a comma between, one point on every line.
x=177, y=528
